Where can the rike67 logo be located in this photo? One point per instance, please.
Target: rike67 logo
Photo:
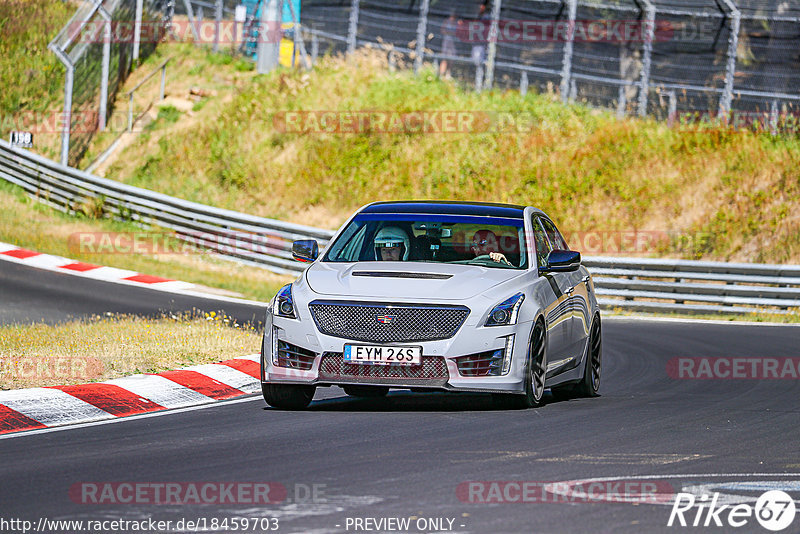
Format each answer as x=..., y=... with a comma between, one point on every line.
x=774, y=510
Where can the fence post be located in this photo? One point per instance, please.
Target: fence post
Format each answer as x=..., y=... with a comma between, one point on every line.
x=573, y=90
x=314, y=48
x=192, y=21
x=479, y=77
x=299, y=45
x=217, y=23
x=726, y=99
x=269, y=31
x=566, y=66
x=523, y=84
x=622, y=102
x=644, y=82
x=353, y=29
x=105, y=67
x=492, y=48
x=137, y=30
x=422, y=29
x=68, y=79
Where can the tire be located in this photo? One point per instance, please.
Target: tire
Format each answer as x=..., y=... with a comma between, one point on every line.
x=535, y=375
x=288, y=396
x=366, y=391
x=590, y=383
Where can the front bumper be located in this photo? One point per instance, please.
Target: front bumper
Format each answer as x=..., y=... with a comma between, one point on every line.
x=439, y=370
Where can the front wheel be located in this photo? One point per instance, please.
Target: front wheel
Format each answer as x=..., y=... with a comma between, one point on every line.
x=535, y=374
x=288, y=396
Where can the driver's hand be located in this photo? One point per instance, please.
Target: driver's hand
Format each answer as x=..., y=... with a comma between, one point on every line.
x=499, y=257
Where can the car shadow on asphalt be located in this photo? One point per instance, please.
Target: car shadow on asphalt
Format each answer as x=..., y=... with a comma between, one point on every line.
x=406, y=401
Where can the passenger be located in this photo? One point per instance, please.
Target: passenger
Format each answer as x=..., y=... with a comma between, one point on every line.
x=391, y=244
x=484, y=243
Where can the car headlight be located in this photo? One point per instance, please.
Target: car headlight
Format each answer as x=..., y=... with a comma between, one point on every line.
x=283, y=305
x=506, y=312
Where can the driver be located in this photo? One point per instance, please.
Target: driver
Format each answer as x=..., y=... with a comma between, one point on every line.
x=484, y=243
x=391, y=244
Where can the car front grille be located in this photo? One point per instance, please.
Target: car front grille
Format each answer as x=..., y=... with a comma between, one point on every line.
x=381, y=323
x=294, y=357
x=432, y=371
x=488, y=363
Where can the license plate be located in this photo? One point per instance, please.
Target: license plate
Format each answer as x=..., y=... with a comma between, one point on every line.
x=382, y=355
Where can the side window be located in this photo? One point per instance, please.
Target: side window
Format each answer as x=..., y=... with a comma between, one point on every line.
x=554, y=235
x=540, y=241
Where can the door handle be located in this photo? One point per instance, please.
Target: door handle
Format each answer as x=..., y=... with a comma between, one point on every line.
x=569, y=291
x=585, y=279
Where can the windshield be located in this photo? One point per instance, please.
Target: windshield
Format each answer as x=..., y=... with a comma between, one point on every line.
x=461, y=239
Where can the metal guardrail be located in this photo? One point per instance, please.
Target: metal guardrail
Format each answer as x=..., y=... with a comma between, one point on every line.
x=636, y=284
x=685, y=286
x=247, y=238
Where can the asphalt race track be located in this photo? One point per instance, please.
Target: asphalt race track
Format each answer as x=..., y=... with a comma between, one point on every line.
x=28, y=295
x=411, y=455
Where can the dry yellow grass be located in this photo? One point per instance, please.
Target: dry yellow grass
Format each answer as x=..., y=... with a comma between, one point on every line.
x=109, y=347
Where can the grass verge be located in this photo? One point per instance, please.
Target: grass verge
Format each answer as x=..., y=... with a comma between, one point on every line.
x=109, y=347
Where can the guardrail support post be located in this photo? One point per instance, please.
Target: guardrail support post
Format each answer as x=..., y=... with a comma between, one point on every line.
x=566, y=63
x=163, y=81
x=523, y=84
x=492, y=48
x=479, y=78
x=622, y=102
x=422, y=29
x=130, y=111
x=673, y=108
x=726, y=99
x=649, y=36
x=353, y=27
x=773, y=117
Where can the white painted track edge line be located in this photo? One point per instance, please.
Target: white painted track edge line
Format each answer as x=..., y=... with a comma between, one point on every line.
x=176, y=291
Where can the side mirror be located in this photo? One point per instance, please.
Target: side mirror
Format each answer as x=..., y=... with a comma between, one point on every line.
x=562, y=261
x=305, y=250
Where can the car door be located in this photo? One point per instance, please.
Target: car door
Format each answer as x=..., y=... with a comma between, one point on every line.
x=577, y=295
x=557, y=313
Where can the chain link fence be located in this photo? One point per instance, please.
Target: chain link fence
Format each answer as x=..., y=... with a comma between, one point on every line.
x=98, y=49
x=684, y=59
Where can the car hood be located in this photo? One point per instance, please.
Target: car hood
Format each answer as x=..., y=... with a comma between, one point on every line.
x=414, y=281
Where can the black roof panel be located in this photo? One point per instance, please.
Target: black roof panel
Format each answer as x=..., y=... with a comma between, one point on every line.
x=486, y=209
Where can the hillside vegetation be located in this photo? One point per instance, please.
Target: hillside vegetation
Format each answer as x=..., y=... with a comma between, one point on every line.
x=32, y=77
x=717, y=193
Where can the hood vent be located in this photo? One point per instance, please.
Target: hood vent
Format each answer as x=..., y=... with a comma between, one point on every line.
x=390, y=274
